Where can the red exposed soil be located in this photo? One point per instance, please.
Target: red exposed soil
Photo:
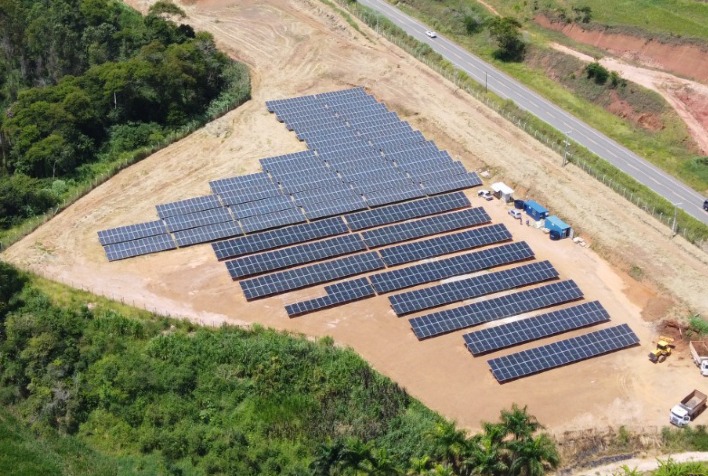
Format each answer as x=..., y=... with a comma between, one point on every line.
x=687, y=60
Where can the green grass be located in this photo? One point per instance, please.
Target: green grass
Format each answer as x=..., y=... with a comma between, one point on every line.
x=667, y=18
x=23, y=453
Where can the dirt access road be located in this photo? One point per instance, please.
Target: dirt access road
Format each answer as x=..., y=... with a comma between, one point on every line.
x=303, y=47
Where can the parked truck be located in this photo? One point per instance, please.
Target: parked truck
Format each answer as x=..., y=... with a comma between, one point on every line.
x=688, y=409
x=699, y=352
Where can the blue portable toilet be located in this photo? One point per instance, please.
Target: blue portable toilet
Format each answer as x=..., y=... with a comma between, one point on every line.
x=535, y=210
x=559, y=228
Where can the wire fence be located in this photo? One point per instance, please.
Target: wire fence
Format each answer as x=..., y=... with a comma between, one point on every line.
x=462, y=81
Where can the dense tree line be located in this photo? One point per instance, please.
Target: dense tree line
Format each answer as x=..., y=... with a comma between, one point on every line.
x=83, y=80
x=230, y=400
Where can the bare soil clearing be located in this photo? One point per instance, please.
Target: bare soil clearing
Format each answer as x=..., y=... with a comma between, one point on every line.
x=301, y=47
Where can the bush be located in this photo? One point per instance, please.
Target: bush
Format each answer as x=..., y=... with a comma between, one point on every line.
x=597, y=72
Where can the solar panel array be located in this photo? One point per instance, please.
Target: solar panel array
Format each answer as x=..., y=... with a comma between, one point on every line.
x=533, y=328
x=294, y=255
x=369, y=180
x=340, y=293
x=445, y=268
x=284, y=281
x=445, y=244
x=476, y=313
x=539, y=359
x=360, y=156
x=456, y=291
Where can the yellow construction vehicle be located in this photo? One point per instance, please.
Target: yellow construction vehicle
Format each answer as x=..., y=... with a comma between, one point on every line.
x=663, y=349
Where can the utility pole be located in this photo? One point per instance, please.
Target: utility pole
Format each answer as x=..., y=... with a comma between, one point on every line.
x=673, y=225
x=485, y=82
x=565, y=150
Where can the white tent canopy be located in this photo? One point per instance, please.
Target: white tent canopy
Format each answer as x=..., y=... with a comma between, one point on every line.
x=502, y=188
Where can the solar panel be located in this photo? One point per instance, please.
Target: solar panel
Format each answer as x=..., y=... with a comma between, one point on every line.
x=446, y=244
x=284, y=281
x=557, y=354
x=442, y=322
x=207, y=233
x=143, y=246
x=193, y=220
x=448, y=267
x=425, y=227
x=294, y=255
x=334, y=207
x=406, y=211
x=271, y=220
x=131, y=232
x=268, y=240
x=533, y=328
x=448, y=184
x=447, y=293
x=240, y=182
x=252, y=194
x=340, y=293
x=398, y=194
x=189, y=205
x=262, y=207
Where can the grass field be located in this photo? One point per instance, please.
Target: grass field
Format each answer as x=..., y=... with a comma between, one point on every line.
x=669, y=18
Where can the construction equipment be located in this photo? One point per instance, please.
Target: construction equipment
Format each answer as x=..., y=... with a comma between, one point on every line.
x=686, y=411
x=662, y=351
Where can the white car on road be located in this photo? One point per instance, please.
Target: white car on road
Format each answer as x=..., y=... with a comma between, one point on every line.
x=431, y=34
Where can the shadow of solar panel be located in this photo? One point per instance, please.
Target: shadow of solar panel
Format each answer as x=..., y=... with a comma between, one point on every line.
x=335, y=207
x=271, y=220
x=557, y=354
x=442, y=322
x=143, y=246
x=441, y=245
x=406, y=211
x=196, y=219
x=337, y=294
x=131, y=232
x=456, y=291
x=268, y=240
x=235, y=197
x=399, y=194
x=533, y=328
x=448, y=184
x=425, y=226
x=259, y=179
x=189, y=205
x=207, y=233
x=448, y=267
x=284, y=281
x=262, y=207
x=294, y=255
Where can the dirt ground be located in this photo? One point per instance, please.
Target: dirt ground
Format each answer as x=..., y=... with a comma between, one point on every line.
x=302, y=47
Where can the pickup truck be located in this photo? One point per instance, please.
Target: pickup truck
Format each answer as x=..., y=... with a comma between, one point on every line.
x=688, y=409
x=699, y=352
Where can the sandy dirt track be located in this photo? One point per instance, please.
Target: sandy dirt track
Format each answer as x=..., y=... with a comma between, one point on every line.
x=301, y=47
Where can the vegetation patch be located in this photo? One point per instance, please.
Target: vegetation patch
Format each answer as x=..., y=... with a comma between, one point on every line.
x=120, y=87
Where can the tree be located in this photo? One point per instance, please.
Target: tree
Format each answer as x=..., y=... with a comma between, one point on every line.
x=519, y=423
x=488, y=456
x=472, y=23
x=450, y=444
x=533, y=456
x=506, y=32
x=597, y=72
x=583, y=14
x=11, y=283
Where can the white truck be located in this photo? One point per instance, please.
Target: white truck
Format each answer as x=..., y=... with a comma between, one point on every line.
x=699, y=352
x=688, y=409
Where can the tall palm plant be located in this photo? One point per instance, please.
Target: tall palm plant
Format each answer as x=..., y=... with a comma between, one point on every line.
x=533, y=456
x=488, y=455
x=450, y=444
x=519, y=423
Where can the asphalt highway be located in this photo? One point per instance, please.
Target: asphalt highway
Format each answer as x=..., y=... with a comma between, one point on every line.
x=502, y=85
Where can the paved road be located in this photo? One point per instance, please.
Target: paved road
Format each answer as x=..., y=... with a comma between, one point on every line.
x=662, y=183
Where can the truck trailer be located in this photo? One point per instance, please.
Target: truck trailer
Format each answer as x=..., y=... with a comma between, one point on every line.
x=683, y=413
x=699, y=352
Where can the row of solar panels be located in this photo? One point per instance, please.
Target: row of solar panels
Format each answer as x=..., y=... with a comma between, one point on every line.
x=273, y=260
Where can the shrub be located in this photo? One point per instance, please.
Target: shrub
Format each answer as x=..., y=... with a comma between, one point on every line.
x=597, y=72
